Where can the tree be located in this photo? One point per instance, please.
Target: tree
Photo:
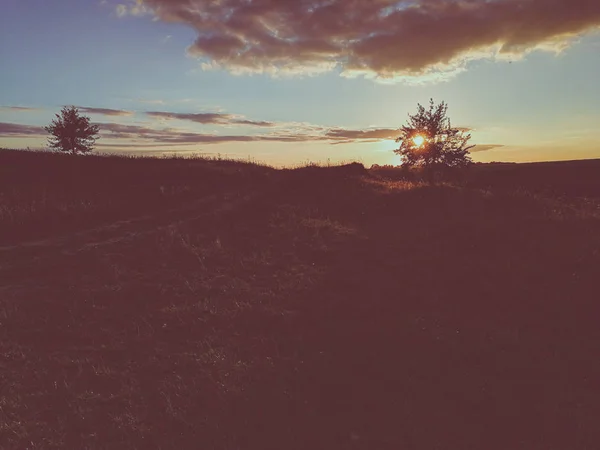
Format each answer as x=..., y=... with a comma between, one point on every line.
x=72, y=132
x=429, y=141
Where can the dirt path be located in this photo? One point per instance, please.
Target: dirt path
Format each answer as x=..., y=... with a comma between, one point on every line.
x=122, y=230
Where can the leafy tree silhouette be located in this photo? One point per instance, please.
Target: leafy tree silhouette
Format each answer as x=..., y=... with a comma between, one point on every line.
x=72, y=132
x=430, y=141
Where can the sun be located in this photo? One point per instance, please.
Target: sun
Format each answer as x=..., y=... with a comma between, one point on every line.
x=418, y=140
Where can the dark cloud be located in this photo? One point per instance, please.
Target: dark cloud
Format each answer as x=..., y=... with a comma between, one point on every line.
x=173, y=136
x=127, y=130
x=18, y=130
x=19, y=108
x=300, y=134
x=254, y=123
x=352, y=135
x=485, y=148
x=378, y=38
x=104, y=111
x=128, y=145
x=203, y=118
x=210, y=118
x=146, y=136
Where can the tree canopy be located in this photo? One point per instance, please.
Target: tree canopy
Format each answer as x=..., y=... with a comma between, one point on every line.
x=429, y=140
x=72, y=132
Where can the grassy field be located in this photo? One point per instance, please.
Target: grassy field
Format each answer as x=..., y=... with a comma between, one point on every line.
x=209, y=304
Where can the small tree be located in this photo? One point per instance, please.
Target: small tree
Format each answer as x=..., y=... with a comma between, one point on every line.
x=429, y=141
x=72, y=132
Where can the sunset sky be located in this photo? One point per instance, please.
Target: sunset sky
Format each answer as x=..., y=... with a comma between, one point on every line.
x=290, y=81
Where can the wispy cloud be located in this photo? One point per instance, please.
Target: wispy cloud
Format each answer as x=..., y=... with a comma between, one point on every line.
x=352, y=135
x=176, y=136
x=101, y=144
x=254, y=123
x=485, y=147
x=105, y=111
x=296, y=133
x=19, y=108
x=132, y=8
x=18, y=130
x=147, y=135
x=210, y=118
x=383, y=39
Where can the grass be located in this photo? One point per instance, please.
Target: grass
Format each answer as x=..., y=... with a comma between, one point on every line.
x=246, y=307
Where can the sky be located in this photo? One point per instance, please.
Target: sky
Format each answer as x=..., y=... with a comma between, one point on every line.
x=287, y=82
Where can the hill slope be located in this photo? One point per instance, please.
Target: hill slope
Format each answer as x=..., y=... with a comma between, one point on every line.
x=325, y=308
